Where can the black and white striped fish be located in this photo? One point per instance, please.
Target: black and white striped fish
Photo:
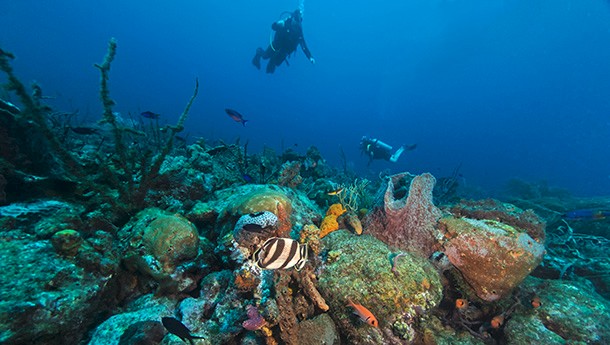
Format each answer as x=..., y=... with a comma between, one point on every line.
x=278, y=253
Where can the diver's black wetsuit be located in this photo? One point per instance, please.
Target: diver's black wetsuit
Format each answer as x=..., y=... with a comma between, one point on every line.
x=377, y=149
x=288, y=36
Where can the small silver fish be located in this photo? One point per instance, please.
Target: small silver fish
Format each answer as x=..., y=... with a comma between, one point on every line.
x=280, y=253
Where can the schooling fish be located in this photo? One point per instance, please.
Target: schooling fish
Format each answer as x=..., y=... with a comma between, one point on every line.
x=587, y=214
x=279, y=253
x=150, y=115
x=174, y=326
x=236, y=116
x=364, y=314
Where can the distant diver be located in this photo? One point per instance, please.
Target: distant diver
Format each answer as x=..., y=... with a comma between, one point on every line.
x=236, y=116
x=288, y=36
x=377, y=149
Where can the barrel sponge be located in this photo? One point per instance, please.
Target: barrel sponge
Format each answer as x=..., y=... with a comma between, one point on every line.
x=171, y=240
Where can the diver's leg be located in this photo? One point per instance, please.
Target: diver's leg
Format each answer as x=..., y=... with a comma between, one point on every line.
x=268, y=53
x=270, y=66
x=397, y=154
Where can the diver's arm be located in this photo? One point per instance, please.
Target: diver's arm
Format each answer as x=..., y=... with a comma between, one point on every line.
x=306, y=50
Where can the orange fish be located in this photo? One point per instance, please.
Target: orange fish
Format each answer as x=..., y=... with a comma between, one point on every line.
x=363, y=313
x=497, y=321
x=461, y=303
x=536, y=303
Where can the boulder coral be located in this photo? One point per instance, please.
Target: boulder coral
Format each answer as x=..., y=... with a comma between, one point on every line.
x=492, y=257
x=172, y=240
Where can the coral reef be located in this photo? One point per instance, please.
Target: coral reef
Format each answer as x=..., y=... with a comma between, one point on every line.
x=407, y=220
x=95, y=247
x=310, y=235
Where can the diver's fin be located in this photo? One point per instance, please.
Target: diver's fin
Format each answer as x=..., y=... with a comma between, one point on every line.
x=397, y=154
x=256, y=60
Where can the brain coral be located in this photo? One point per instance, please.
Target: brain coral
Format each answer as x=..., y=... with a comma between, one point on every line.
x=171, y=240
x=266, y=199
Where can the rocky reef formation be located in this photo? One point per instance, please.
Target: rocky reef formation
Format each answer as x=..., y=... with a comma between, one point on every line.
x=493, y=257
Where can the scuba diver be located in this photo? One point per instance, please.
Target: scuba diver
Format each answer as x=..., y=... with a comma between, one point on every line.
x=288, y=35
x=377, y=149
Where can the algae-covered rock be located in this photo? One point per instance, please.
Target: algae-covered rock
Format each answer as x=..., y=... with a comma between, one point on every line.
x=570, y=313
x=145, y=309
x=362, y=272
x=529, y=329
x=45, y=298
x=493, y=257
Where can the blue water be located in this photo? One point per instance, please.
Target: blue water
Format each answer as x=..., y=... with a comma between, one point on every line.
x=506, y=88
